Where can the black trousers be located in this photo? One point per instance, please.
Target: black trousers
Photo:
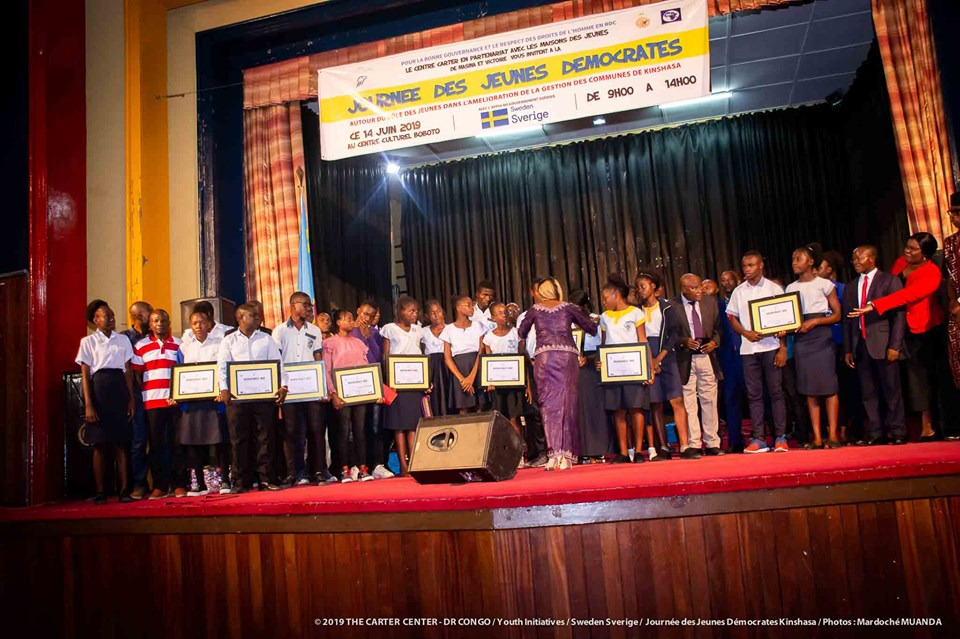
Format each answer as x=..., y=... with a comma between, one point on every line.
x=301, y=419
x=759, y=369
x=880, y=376
x=166, y=458
x=533, y=433
x=352, y=426
x=378, y=439
x=251, y=434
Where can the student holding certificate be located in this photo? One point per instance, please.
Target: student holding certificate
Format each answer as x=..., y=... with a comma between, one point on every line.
x=814, y=348
x=556, y=368
x=403, y=337
x=623, y=324
x=503, y=340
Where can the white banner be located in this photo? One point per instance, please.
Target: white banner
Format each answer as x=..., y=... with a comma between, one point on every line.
x=595, y=65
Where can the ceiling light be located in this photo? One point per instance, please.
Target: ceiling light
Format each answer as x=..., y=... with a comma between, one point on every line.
x=599, y=121
x=392, y=168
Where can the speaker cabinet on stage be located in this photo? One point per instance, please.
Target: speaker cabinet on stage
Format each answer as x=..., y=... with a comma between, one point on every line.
x=224, y=310
x=474, y=447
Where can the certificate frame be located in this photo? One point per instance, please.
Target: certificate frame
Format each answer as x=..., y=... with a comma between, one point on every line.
x=520, y=360
x=321, y=372
x=200, y=367
x=792, y=299
x=233, y=368
x=646, y=364
x=373, y=369
x=423, y=360
x=578, y=337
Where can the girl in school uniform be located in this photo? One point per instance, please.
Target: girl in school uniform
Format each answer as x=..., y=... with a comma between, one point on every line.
x=433, y=346
x=403, y=337
x=595, y=427
x=343, y=351
x=104, y=359
x=504, y=340
x=623, y=323
x=201, y=423
x=463, y=341
x=813, y=347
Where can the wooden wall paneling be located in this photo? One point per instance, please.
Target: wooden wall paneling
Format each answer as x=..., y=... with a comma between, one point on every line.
x=884, y=592
x=694, y=554
x=723, y=561
x=14, y=308
x=829, y=563
x=795, y=563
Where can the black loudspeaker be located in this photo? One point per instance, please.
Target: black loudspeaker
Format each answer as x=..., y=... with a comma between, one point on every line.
x=224, y=310
x=77, y=453
x=474, y=447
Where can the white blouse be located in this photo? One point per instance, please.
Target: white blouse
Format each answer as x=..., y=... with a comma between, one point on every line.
x=813, y=295
x=463, y=340
x=403, y=342
x=622, y=329
x=503, y=344
x=99, y=351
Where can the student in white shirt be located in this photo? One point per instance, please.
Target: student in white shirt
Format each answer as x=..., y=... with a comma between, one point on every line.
x=482, y=298
x=403, y=337
x=504, y=340
x=104, y=359
x=217, y=331
x=814, y=350
x=463, y=342
x=433, y=347
x=251, y=424
x=299, y=340
x=763, y=357
x=623, y=324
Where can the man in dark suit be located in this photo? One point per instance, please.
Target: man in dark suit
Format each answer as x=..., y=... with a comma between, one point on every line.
x=873, y=346
x=698, y=317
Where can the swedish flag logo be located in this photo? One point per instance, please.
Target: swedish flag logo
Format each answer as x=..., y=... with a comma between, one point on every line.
x=497, y=117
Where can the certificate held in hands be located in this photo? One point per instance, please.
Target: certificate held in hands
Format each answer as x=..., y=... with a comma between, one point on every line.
x=771, y=315
x=194, y=382
x=624, y=363
x=359, y=384
x=306, y=382
x=408, y=372
x=503, y=371
x=253, y=381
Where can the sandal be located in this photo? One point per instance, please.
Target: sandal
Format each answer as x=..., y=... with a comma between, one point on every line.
x=813, y=446
x=833, y=443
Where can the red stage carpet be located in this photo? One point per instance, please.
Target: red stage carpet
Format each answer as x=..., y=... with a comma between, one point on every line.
x=534, y=487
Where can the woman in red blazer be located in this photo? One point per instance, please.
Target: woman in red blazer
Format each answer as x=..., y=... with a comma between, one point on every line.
x=926, y=337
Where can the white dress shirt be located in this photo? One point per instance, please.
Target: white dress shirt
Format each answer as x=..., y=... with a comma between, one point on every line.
x=739, y=307
x=237, y=347
x=483, y=317
x=403, y=342
x=298, y=345
x=218, y=331
x=688, y=310
x=99, y=351
x=871, y=278
x=195, y=351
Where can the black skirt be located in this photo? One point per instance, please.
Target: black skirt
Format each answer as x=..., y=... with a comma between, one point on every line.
x=459, y=399
x=814, y=355
x=626, y=396
x=508, y=401
x=595, y=439
x=200, y=424
x=108, y=388
x=440, y=380
x=920, y=369
x=404, y=412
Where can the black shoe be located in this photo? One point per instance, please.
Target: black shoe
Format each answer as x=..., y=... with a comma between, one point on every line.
x=928, y=438
x=100, y=499
x=287, y=482
x=620, y=459
x=812, y=446
x=870, y=441
x=735, y=450
x=238, y=489
x=638, y=458
x=690, y=453
x=898, y=441
x=663, y=454
x=125, y=498
x=266, y=485
x=714, y=452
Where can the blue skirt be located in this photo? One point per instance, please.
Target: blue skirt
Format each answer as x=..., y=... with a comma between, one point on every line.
x=666, y=385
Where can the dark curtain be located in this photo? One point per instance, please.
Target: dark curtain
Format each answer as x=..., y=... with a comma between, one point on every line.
x=689, y=198
x=349, y=218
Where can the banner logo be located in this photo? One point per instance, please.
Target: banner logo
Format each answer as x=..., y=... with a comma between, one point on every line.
x=670, y=15
x=495, y=118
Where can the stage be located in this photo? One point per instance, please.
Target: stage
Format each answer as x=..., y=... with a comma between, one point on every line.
x=851, y=533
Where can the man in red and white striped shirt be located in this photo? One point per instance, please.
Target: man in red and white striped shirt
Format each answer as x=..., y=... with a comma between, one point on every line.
x=153, y=360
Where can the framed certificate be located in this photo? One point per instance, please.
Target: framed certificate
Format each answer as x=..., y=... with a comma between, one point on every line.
x=306, y=382
x=253, y=381
x=624, y=363
x=770, y=315
x=408, y=372
x=359, y=384
x=503, y=371
x=194, y=382
x=578, y=339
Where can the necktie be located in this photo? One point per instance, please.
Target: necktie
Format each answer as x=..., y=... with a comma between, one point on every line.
x=863, y=302
x=697, y=326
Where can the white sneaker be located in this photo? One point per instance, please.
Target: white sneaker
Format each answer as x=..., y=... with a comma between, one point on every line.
x=348, y=477
x=225, y=490
x=303, y=481
x=197, y=493
x=382, y=472
x=354, y=473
